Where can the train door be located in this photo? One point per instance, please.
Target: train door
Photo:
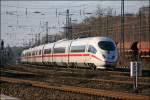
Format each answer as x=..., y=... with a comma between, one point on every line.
x=88, y=55
x=68, y=54
x=85, y=56
x=42, y=54
x=92, y=53
x=53, y=57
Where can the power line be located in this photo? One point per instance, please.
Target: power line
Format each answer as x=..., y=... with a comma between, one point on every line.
x=42, y=8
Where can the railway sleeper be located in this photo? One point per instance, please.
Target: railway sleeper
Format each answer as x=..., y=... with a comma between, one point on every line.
x=88, y=91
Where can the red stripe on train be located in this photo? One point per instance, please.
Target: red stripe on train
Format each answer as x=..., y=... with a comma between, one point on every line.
x=64, y=55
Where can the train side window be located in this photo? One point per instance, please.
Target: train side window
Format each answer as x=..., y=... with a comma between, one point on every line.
x=33, y=53
x=37, y=53
x=47, y=51
x=40, y=52
x=59, y=50
x=92, y=49
x=78, y=48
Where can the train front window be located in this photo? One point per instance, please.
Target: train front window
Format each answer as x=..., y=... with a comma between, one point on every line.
x=106, y=45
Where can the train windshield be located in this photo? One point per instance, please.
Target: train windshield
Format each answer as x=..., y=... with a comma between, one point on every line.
x=106, y=45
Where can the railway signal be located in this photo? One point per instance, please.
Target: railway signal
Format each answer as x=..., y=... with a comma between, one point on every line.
x=1, y=53
x=135, y=71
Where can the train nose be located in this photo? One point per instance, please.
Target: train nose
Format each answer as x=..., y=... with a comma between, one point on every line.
x=113, y=57
x=109, y=56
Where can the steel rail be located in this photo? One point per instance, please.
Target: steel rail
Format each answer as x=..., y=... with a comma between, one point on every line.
x=79, y=90
x=97, y=80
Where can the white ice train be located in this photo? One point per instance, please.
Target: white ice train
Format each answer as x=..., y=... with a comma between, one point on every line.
x=92, y=52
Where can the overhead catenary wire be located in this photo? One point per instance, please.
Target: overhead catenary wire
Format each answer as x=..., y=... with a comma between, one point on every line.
x=33, y=17
x=50, y=8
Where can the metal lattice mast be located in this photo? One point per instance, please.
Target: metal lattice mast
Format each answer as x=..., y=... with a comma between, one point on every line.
x=149, y=26
x=46, y=32
x=67, y=25
x=140, y=30
x=122, y=30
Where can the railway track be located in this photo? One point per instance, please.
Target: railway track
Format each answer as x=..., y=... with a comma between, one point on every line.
x=78, y=90
x=118, y=71
x=66, y=70
x=112, y=78
x=76, y=78
x=88, y=79
x=90, y=74
x=100, y=80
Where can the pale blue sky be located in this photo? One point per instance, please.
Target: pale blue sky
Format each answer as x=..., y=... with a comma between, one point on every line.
x=18, y=29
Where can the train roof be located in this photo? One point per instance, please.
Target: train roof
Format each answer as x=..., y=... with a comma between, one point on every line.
x=49, y=45
x=33, y=49
x=83, y=41
x=64, y=42
x=40, y=47
x=96, y=38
